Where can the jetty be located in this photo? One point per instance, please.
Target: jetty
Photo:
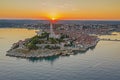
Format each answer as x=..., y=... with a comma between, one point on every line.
x=110, y=40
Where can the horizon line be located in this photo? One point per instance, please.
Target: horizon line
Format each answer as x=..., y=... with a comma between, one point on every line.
x=61, y=19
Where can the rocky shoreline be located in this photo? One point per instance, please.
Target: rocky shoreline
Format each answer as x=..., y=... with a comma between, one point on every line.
x=24, y=53
x=43, y=53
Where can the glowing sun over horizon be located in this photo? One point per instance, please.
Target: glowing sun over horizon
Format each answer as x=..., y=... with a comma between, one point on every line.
x=60, y=9
x=53, y=18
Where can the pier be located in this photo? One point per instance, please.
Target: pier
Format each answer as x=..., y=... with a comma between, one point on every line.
x=110, y=39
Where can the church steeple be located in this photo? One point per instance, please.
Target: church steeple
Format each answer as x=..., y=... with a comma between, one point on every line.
x=52, y=34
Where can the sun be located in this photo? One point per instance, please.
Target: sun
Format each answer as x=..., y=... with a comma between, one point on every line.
x=53, y=18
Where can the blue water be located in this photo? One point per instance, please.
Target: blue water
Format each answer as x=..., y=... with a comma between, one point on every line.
x=100, y=63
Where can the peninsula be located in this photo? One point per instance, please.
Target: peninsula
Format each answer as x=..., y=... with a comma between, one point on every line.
x=53, y=42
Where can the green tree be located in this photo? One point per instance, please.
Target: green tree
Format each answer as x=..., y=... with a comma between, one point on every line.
x=31, y=46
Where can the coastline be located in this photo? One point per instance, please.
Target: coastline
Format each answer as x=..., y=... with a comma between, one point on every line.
x=43, y=53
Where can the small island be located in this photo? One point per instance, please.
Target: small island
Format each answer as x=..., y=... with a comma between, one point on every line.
x=48, y=43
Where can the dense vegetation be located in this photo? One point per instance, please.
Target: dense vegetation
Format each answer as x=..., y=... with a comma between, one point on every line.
x=44, y=39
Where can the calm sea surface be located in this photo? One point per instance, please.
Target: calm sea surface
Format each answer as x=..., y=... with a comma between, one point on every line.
x=100, y=63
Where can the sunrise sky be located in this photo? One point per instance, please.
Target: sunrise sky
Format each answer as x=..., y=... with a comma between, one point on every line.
x=60, y=9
